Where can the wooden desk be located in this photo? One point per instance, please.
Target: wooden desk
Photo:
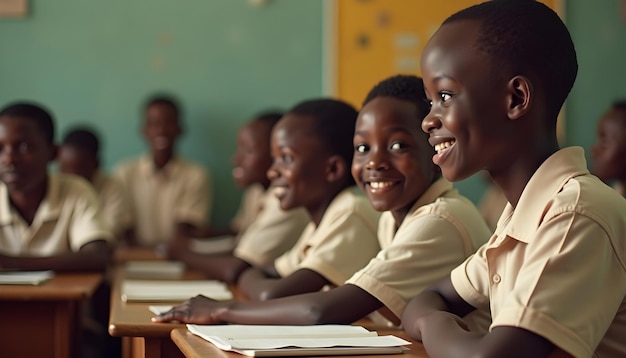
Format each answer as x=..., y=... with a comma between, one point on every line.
x=45, y=320
x=132, y=322
x=193, y=346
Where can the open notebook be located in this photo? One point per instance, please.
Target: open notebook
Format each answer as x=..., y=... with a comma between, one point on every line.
x=25, y=277
x=272, y=341
x=158, y=269
x=173, y=291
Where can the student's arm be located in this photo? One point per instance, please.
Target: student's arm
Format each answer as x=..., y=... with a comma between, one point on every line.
x=260, y=285
x=342, y=305
x=225, y=268
x=434, y=317
x=92, y=256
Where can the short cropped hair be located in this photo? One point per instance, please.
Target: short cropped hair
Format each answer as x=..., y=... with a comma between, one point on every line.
x=165, y=100
x=36, y=113
x=620, y=105
x=527, y=37
x=334, y=123
x=405, y=88
x=84, y=139
x=269, y=117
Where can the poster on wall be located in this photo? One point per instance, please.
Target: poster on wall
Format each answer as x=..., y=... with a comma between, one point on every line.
x=13, y=8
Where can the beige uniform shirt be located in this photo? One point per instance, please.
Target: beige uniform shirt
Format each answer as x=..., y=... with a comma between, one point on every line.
x=491, y=205
x=343, y=243
x=440, y=231
x=556, y=263
x=67, y=218
x=272, y=232
x=113, y=203
x=179, y=193
x=249, y=208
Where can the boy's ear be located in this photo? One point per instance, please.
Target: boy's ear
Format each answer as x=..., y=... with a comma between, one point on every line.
x=336, y=168
x=520, y=96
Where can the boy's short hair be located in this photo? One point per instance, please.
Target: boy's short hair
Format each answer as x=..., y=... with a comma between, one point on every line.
x=528, y=38
x=269, y=117
x=34, y=112
x=402, y=87
x=84, y=139
x=166, y=100
x=334, y=125
x=620, y=105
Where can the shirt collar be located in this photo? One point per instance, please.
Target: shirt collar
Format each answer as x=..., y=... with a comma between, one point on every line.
x=434, y=191
x=49, y=208
x=547, y=181
x=147, y=167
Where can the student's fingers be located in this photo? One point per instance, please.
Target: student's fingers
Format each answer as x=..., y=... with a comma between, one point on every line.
x=176, y=314
x=198, y=310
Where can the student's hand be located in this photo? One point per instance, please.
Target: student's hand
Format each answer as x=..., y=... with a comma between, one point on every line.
x=178, y=247
x=198, y=310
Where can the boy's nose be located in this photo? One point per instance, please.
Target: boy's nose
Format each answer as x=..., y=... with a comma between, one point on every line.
x=376, y=161
x=272, y=173
x=430, y=122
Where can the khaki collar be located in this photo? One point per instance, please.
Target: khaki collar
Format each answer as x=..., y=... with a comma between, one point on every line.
x=48, y=209
x=434, y=191
x=148, y=169
x=547, y=181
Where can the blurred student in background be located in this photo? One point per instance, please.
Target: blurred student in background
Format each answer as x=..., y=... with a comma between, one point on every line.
x=609, y=151
x=79, y=154
x=169, y=197
x=47, y=221
x=263, y=230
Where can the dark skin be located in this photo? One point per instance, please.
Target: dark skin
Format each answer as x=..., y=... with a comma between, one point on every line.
x=304, y=174
x=610, y=147
x=73, y=160
x=24, y=156
x=250, y=165
x=388, y=148
x=483, y=124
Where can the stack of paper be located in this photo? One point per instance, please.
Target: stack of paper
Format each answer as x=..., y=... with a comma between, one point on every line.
x=213, y=246
x=173, y=291
x=265, y=341
x=158, y=269
x=25, y=277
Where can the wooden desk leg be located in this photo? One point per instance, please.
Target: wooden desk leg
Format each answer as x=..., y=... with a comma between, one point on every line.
x=161, y=348
x=67, y=329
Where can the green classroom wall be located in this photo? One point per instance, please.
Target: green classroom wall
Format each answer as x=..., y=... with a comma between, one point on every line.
x=96, y=61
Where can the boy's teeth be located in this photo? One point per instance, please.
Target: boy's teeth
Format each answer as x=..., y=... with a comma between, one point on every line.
x=278, y=191
x=380, y=184
x=443, y=146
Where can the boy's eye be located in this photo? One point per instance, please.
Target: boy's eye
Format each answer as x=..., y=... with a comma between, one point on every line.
x=397, y=146
x=361, y=148
x=444, y=96
x=286, y=158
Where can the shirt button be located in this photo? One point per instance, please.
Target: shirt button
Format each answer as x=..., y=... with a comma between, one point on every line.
x=496, y=278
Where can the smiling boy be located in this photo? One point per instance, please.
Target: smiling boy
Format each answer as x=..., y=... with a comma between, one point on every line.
x=553, y=274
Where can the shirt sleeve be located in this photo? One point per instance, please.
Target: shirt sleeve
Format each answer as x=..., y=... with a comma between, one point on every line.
x=273, y=233
x=569, y=287
x=86, y=224
x=340, y=248
x=421, y=253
